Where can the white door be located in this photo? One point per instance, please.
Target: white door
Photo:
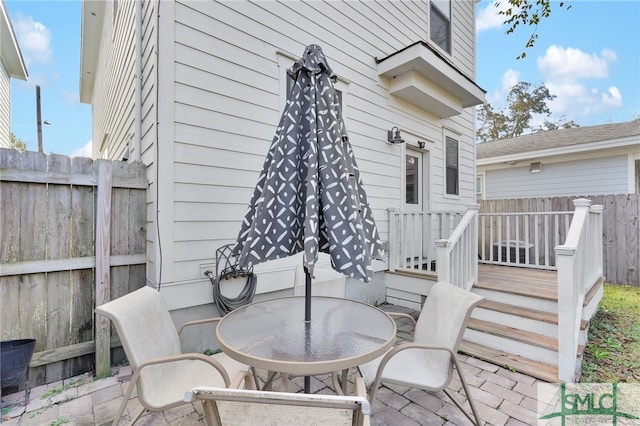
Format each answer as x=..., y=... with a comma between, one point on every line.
x=414, y=194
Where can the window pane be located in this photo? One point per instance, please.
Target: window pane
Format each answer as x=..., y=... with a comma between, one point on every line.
x=440, y=29
x=412, y=184
x=451, y=166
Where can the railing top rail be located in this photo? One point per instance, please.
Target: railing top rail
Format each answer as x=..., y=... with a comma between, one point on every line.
x=525, y=213
x=401, y=211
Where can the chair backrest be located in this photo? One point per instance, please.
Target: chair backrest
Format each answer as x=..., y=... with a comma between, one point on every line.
x=445, y=315
x=143, y=324
x=241, y=407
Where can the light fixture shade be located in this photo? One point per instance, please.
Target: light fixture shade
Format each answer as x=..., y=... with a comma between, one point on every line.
x=393, y=135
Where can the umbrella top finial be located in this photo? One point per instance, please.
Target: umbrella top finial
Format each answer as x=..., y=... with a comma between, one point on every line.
x=314, y=61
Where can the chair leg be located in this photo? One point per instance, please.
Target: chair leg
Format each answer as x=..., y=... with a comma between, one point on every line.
x=137, y=416
x=469, y=398
x=210, y=413
x=125, y=400
x=123, y=405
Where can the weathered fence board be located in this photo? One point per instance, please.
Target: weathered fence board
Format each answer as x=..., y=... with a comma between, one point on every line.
x=48, y=257
x=620, y=227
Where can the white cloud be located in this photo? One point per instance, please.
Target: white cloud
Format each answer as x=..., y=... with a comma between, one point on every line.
x=498, y=98
x=83, y=151
x=560, y=64
x=565, y=71
x=576, y=100
x=34, y=39
x=488, y=18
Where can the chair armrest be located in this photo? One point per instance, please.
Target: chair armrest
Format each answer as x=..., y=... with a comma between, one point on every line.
x=197, y=322
x=188, y=356
x=397, y=315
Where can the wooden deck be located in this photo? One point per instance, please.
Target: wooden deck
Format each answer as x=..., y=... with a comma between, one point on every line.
x=538, y=283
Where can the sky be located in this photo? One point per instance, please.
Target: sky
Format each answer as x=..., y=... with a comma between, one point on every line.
x=587, y=56
x=48, y=34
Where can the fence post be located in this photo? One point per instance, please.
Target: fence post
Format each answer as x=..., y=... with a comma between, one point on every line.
x=103, y=272
x=598, y=210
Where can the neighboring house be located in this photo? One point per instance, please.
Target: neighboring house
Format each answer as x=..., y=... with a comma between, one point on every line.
x=195, y=89
x=593, y=160
x=11, y=66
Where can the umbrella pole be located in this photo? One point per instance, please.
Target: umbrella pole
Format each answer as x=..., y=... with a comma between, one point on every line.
x=307, y=320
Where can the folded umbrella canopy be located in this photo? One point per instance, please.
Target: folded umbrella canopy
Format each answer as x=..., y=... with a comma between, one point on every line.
x=310, y=196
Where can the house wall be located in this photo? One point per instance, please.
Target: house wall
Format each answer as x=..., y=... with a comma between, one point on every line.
x=212, y=94
x=594, y=174
x=5, y=107
x=113, y=115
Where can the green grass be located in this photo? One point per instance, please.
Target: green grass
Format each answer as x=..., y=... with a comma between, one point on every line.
x=613, y=351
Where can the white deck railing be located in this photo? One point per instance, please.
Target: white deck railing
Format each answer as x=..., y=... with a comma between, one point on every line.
x=442, y=242
x=579, y=262
x=524, y=239
x=412, y=237
x=458, y=254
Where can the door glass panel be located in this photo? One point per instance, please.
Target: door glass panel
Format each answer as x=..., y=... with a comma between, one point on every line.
x=412, y=181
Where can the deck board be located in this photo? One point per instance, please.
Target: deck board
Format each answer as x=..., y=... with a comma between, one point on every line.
x=537, y=283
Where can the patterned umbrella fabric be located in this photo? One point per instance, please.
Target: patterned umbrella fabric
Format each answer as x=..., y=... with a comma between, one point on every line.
x=310, y=196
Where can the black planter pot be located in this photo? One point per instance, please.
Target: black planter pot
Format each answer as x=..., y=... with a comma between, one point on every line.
x=15, y=357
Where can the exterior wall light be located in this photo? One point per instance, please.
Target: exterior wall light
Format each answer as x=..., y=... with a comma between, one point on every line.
x=393, y=135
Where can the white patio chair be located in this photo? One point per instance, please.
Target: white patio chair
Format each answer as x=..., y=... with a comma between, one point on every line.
x=162, y=373
x=427, y=363
x=243, y=407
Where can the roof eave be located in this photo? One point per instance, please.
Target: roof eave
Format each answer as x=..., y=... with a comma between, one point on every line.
x=92, y=20
x=10, y=50
x=563, y=150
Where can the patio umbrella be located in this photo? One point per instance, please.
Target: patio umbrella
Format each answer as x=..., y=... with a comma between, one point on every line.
x=309, y=196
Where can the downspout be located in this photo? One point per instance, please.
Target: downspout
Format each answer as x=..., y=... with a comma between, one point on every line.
x=137, y=140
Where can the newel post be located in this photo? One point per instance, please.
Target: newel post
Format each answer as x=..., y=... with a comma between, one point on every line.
x=569, y=294
x=393, y=239
x=443, y=265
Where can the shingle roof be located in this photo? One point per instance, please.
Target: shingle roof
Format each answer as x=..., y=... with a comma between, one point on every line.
x=557, y=138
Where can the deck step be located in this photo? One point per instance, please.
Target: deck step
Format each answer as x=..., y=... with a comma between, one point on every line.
x=533, y=314
x=592, y=291
x=517, y=335
x=531, y=368
x=512, y=288
x=514, y=334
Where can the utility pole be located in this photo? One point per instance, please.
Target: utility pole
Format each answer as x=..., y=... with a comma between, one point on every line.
x=39, y=118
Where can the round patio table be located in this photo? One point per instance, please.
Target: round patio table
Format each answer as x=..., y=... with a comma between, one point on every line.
x=273, y=335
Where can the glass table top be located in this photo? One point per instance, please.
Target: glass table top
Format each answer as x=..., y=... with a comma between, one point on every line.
x=342, y=333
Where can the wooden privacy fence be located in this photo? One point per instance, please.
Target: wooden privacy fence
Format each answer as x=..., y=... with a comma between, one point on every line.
x=73, y=236
x=620, y=229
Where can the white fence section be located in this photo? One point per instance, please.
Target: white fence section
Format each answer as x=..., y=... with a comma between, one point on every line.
x=412, y=238
x=525, y=239
x=457, y=255
x=579, y=262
